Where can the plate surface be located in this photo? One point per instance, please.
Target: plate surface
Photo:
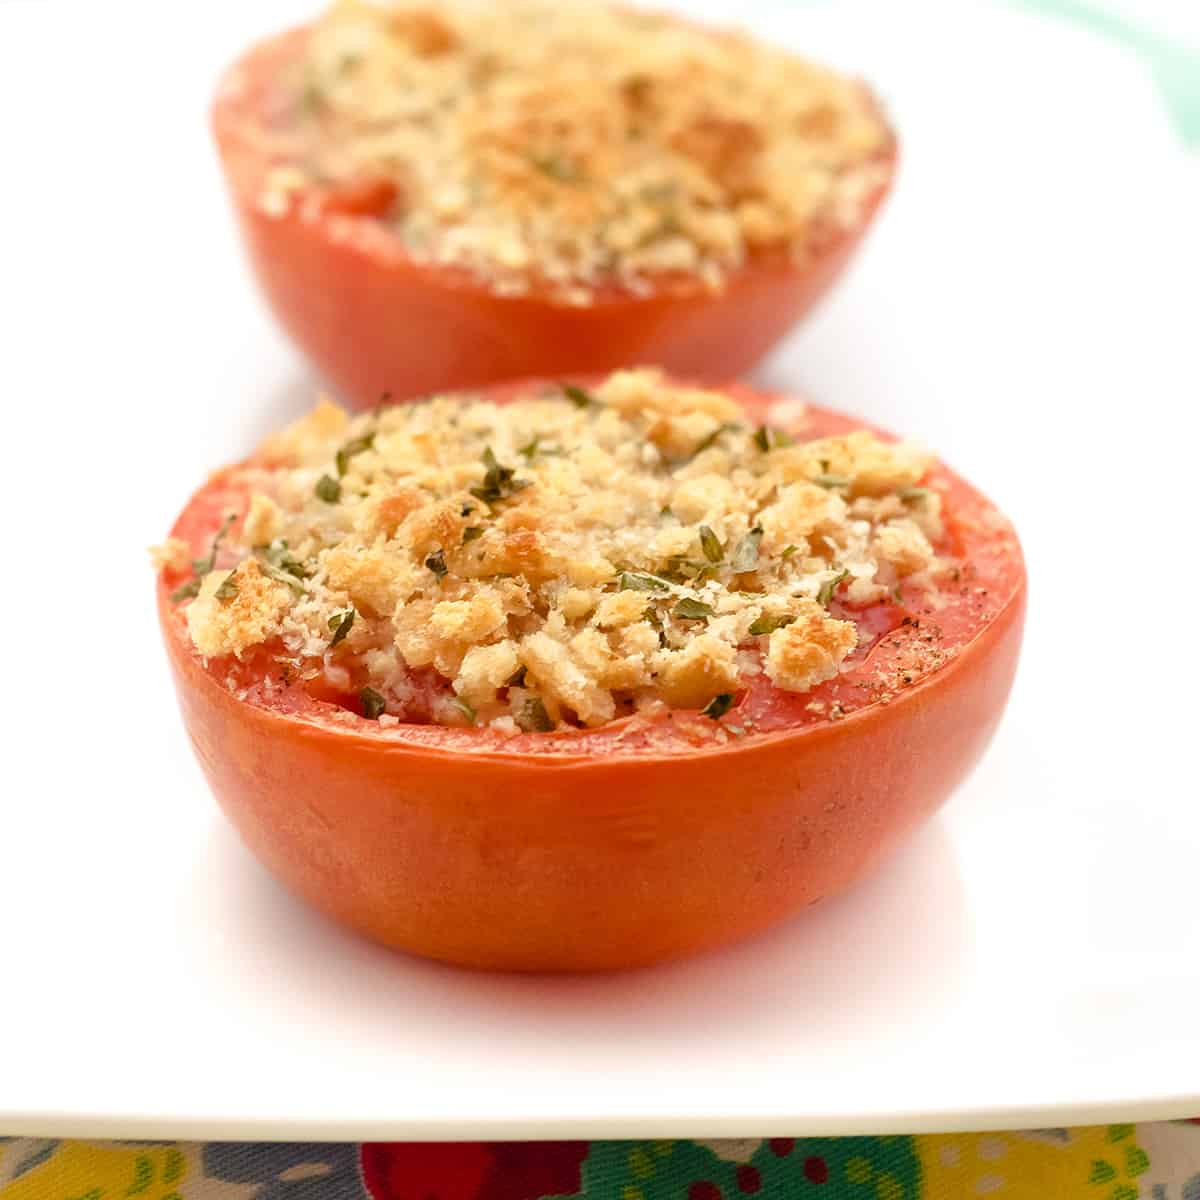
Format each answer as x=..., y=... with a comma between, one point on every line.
x=1027, y=306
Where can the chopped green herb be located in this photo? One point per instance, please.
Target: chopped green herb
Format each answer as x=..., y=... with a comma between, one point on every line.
x=711, y=545
x=226, y=589
x=471, y=533
x=557, y=168
x=692, y=610
x=328, y=489
x=498, y=482
x=788, y=551
x=578, y=396
x=772, y=439
x=516, y=679
x=831, y=481
x=655, y=622
x=641, y=581
x=745, y=557
x=912, y=494
x=372, y=702
x=533, y=717
x=339, y=625
x=464, y=708
x=769, y=622
x=666, y=511
x=825, y=595
x=436, y=562
x=186, y=591
x=718, y=706
x=350, y=449
x=280, y=564
x=202, y=566
x=724, y=427
x=531, y=447
x=312, y=99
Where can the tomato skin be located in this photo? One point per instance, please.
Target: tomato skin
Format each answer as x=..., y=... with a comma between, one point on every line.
x=581, y=852
x=373, y=321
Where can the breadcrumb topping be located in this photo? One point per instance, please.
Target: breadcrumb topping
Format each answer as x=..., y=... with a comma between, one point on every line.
x=567, y=558
x=572, y=143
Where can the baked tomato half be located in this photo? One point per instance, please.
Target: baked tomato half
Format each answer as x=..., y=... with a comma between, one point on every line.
x=570, y=677
x=450, y=200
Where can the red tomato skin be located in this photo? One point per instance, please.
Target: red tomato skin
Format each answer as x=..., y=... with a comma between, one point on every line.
x=463, y=847
x=372, y=321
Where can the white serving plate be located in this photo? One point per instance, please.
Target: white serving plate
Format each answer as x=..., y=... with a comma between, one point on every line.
x=1028, y=305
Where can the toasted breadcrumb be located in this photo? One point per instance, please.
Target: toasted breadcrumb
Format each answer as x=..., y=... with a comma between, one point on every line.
x=573, y=142
x=534, y=553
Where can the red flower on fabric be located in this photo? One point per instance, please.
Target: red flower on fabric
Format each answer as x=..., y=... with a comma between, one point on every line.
x=472, y=1170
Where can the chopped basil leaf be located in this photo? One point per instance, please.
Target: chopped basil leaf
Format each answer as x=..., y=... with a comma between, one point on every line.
x=373, y=703
x=464, y=708
x=692, y=610
x=578, y=396
x=788, y=551
x=745, y=557
x=350, y=449
x=556, y=168
x=471, y=533
x=186, y=591
x=339, y=625
x=516, y=679
x=724, y=427
x=531, y=447
x=639, y=581
x=772, y=439
x=202, y=566
x=436, y=562
x=769, y=622
x=912, y=494
x=280, y=564
x=718, y=706
x=226, y=589
x=533, y=717
x=498, y=482
x=655, y=622
x=711, y=545
x=825, y=595
x=328, y=489
x=831, y=481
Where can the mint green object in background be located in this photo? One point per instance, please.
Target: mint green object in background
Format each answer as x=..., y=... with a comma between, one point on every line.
x=1176, y=69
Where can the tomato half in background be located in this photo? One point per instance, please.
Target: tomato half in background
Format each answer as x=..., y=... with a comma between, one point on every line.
x=646, y=838
x=374, y=318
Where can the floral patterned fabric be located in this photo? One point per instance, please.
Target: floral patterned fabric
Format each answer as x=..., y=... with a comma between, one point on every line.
x=1108, y=1162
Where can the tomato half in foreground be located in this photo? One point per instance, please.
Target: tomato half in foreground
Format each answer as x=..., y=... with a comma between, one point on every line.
x=581, y=676
x=453, y=197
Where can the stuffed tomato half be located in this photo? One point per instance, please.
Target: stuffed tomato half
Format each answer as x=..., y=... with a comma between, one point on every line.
x=453, y=195
x=580, y=676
